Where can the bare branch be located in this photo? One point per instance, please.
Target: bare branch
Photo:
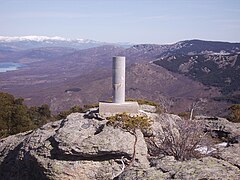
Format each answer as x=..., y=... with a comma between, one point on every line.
x=123, y=168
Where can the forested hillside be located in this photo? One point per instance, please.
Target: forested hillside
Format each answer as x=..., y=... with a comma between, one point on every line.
x=16, y=117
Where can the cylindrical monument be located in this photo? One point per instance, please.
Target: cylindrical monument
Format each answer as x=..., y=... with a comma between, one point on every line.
x=118, y=79
x=118, y=84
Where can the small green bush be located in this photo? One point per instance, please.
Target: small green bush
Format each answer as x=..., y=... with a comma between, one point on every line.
x=89, y=106
x=234, y=115
x=130, y=123
x=184, y=115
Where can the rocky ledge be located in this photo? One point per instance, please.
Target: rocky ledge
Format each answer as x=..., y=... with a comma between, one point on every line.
x=84, y=146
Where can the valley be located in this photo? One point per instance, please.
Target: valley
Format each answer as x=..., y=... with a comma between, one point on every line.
x=66, y=76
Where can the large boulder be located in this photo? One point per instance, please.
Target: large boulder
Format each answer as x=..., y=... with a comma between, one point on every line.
x=73, y=148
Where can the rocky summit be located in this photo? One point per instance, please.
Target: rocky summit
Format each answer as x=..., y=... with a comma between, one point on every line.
x=85, y=146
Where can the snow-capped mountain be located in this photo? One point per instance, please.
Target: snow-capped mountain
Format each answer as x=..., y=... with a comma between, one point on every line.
x=29, y=42
x=30, y=38
x=43, y=39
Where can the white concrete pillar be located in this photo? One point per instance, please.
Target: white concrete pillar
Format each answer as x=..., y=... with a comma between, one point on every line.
x=118, y=79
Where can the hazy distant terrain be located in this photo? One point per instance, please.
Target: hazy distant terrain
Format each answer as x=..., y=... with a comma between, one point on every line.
x=174, y=75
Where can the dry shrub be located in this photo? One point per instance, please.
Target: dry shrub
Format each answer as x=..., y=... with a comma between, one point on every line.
x=182, y=139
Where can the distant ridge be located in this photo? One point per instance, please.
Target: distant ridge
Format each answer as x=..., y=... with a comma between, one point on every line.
x=33, y=41
x=43, y=38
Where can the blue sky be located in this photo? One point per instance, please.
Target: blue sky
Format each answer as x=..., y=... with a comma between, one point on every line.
x=137, y=21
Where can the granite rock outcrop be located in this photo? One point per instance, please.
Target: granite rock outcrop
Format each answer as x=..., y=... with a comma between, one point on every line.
x=84, y=147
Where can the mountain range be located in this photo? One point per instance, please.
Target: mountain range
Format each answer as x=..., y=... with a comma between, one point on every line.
x=29, y=42
x=64, y=73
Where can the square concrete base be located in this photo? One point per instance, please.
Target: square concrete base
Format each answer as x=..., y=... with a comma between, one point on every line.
x=113, y=108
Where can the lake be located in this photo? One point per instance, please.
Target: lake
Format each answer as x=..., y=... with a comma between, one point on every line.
x=9, y=66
